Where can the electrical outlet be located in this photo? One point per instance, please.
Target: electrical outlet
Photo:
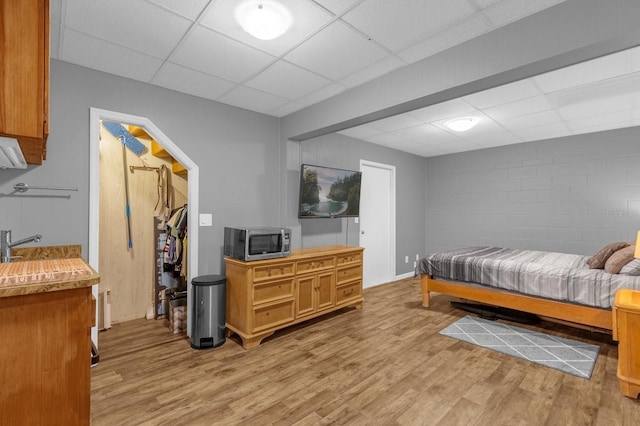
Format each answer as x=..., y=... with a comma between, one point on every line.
x=415, y=264
x=417, y=256
x=406, y=259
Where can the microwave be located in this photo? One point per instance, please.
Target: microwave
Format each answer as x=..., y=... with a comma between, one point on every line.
x=257, y=243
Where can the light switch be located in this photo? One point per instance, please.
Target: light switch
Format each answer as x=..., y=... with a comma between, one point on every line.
x=206, y=219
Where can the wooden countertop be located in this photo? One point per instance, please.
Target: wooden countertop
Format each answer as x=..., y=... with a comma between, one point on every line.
x=39, y=276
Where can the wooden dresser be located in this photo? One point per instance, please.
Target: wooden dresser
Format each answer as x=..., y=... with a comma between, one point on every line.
x=266, y=295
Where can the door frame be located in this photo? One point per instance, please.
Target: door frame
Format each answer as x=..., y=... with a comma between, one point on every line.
x=392, y=213
x=193, y=183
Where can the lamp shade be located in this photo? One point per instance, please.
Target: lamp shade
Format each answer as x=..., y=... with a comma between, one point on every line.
x=637, y=252
x=263, y=19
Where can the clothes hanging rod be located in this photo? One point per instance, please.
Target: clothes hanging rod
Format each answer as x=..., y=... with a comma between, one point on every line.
x=132, y=168
x=23, y=187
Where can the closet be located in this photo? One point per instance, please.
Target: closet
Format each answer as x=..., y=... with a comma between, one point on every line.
x=132, y=264
x=170, y=295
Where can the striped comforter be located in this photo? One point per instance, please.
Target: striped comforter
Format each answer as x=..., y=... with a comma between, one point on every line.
x=557, y=276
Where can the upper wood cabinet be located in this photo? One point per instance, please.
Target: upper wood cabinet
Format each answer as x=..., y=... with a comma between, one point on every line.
x=24, y=75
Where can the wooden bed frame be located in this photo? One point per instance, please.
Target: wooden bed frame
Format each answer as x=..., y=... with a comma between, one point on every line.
x=566, y=312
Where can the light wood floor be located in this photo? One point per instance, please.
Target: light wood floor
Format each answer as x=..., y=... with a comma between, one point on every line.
x=383, y=365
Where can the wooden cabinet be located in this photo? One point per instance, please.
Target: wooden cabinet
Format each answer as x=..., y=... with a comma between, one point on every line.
x=45, y=365
x=266, y=295
x=24, y=75
x=626, y=330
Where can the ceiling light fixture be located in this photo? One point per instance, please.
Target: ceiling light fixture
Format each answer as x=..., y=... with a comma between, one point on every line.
x=461, y=124
x=263, y=19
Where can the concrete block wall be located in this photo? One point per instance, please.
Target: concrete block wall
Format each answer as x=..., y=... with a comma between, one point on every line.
x=572, y=194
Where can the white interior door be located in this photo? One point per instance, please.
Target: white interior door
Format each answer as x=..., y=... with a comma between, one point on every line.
x=378, y=222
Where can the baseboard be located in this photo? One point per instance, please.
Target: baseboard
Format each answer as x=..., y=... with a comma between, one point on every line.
x=407, y=275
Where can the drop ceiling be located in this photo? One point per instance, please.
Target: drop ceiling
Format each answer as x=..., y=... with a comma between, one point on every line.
x=196, y=47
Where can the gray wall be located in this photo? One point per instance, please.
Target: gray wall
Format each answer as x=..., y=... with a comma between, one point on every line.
x=237, y=152
x=340, y=151
x=572, y=194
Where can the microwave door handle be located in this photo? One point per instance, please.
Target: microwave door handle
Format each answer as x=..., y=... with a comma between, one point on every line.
x=282, y=242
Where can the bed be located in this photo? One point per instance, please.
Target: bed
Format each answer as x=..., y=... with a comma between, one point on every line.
x=560, y=286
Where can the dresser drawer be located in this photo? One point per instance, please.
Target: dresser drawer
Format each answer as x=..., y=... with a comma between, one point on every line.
x=348, y=273
x=272, y=290
x=268, y=272
x=349, y=292
x=273, y=314
x=315, y=264
x=345, y=259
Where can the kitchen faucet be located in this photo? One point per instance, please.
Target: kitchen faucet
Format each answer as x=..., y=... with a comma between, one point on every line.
x=5, y=241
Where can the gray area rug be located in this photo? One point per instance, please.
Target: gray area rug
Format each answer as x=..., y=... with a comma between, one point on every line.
x=569, y=356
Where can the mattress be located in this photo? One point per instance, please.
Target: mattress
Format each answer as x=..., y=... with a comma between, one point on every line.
x=557, y=276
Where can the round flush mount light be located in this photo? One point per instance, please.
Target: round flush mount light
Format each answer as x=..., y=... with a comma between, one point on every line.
x=263, y=19
x=461, y=124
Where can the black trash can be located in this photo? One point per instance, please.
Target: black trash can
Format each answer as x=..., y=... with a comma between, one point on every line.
x=209, y=311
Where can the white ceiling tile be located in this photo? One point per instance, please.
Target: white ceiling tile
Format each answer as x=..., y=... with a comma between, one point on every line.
x=287, y=81
x=532, y=120
x=361, y=132
x=104, y=56
x=336, y=6
x=416, y=132
x=253, y=100
x=603, y=68
x=554, y=130
x=596, y=91
x=413, y=147
x=600, y=122
x=307, y=19
x=457, y=145
x=597, y=107
x=320, y=95
x=336, y=51
x=508, y=11
x=420, y=19
x=135, y=24
x=384, y=139
x=471, y=28
x=518, y=108
x=373, y=71
x=189, y=9
x=503, y=94
x=396, y=122
x=444, y=110
x=434, y=136
x=494, y=136
x=286, y=109
x=206, y=51
x=193, y=82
